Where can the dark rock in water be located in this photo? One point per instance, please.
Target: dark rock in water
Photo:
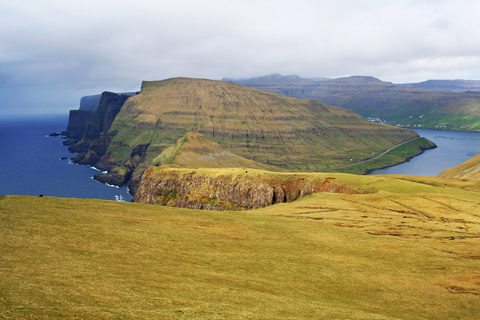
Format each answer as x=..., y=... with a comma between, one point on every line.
x=110, y=178
x=54, y=134
x=63, y=158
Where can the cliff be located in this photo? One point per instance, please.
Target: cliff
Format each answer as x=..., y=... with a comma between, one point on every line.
x=231, y=189
x=95, y=139
x=90, y=103
x=78, y=121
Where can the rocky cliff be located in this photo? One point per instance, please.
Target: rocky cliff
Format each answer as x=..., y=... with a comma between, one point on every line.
x=229, y=189
x=78, y=122
x=96, y=138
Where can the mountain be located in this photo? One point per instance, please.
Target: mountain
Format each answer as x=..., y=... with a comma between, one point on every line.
x=447, y=85
x=291, y=86
x=469, y=169
x=400, y=105
x=272, y=129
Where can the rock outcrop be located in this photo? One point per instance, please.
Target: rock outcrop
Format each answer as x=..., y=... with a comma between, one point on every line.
x=237, y=190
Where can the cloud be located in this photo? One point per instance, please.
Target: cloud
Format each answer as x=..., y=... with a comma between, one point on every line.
x=53, y=52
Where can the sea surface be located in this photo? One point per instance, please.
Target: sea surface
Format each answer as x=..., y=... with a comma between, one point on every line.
x=33, y=163
x=453, y=148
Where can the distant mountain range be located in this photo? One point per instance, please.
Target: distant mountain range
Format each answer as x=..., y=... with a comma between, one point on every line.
x=447, y=85
x=434, y=104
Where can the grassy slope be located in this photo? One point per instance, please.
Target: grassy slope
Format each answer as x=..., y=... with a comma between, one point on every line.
x=408, y=251
x=469, y=169
x=273, y=129
x=195, y=150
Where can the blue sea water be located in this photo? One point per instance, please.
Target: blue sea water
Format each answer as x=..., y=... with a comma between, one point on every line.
x=30, y=163
x=453, y=148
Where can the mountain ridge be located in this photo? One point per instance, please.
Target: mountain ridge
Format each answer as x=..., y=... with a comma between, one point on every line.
x=401, y=105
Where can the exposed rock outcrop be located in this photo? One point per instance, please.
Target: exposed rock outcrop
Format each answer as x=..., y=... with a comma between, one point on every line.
x=238, y=191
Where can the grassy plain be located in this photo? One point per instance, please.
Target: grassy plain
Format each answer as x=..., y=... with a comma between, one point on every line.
x=409, y=249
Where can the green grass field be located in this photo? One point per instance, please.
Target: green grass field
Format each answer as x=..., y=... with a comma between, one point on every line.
x=409, y=250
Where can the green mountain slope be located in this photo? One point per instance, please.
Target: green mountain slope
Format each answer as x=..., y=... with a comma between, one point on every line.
x=397, y=104
x=272, y=129
x=406, y=250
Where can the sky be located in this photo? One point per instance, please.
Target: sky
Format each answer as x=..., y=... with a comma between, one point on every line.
x=53, y=52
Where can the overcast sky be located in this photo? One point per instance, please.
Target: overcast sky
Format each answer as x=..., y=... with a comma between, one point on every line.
x=53, y=52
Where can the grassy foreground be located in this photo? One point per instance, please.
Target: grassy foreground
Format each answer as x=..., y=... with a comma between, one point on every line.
x=409, y=250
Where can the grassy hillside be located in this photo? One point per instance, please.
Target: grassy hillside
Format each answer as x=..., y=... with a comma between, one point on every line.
x=194, y=150
x=397, y=104
x=409, y=250
x=469, y=169
x=268, y=128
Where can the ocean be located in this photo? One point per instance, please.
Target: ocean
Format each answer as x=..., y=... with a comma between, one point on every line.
x=34, y=163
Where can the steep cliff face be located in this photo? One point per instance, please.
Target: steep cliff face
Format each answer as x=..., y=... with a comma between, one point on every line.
x=231, y=190
x=90, y=103
x=77, y=124
x=96, y=137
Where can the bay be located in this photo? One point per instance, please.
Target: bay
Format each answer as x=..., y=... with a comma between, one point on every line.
x=31, y=163
x=453, y=148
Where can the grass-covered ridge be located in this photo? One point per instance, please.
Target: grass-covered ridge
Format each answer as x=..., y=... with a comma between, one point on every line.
x=409, y=249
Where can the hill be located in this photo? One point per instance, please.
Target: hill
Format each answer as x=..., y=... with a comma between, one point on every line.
x=408, y=249
x=275, y=130
x=195, y=150
x=469, y=169
x=402, y=105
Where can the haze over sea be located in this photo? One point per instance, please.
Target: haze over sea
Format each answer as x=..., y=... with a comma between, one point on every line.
x=31, y=161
